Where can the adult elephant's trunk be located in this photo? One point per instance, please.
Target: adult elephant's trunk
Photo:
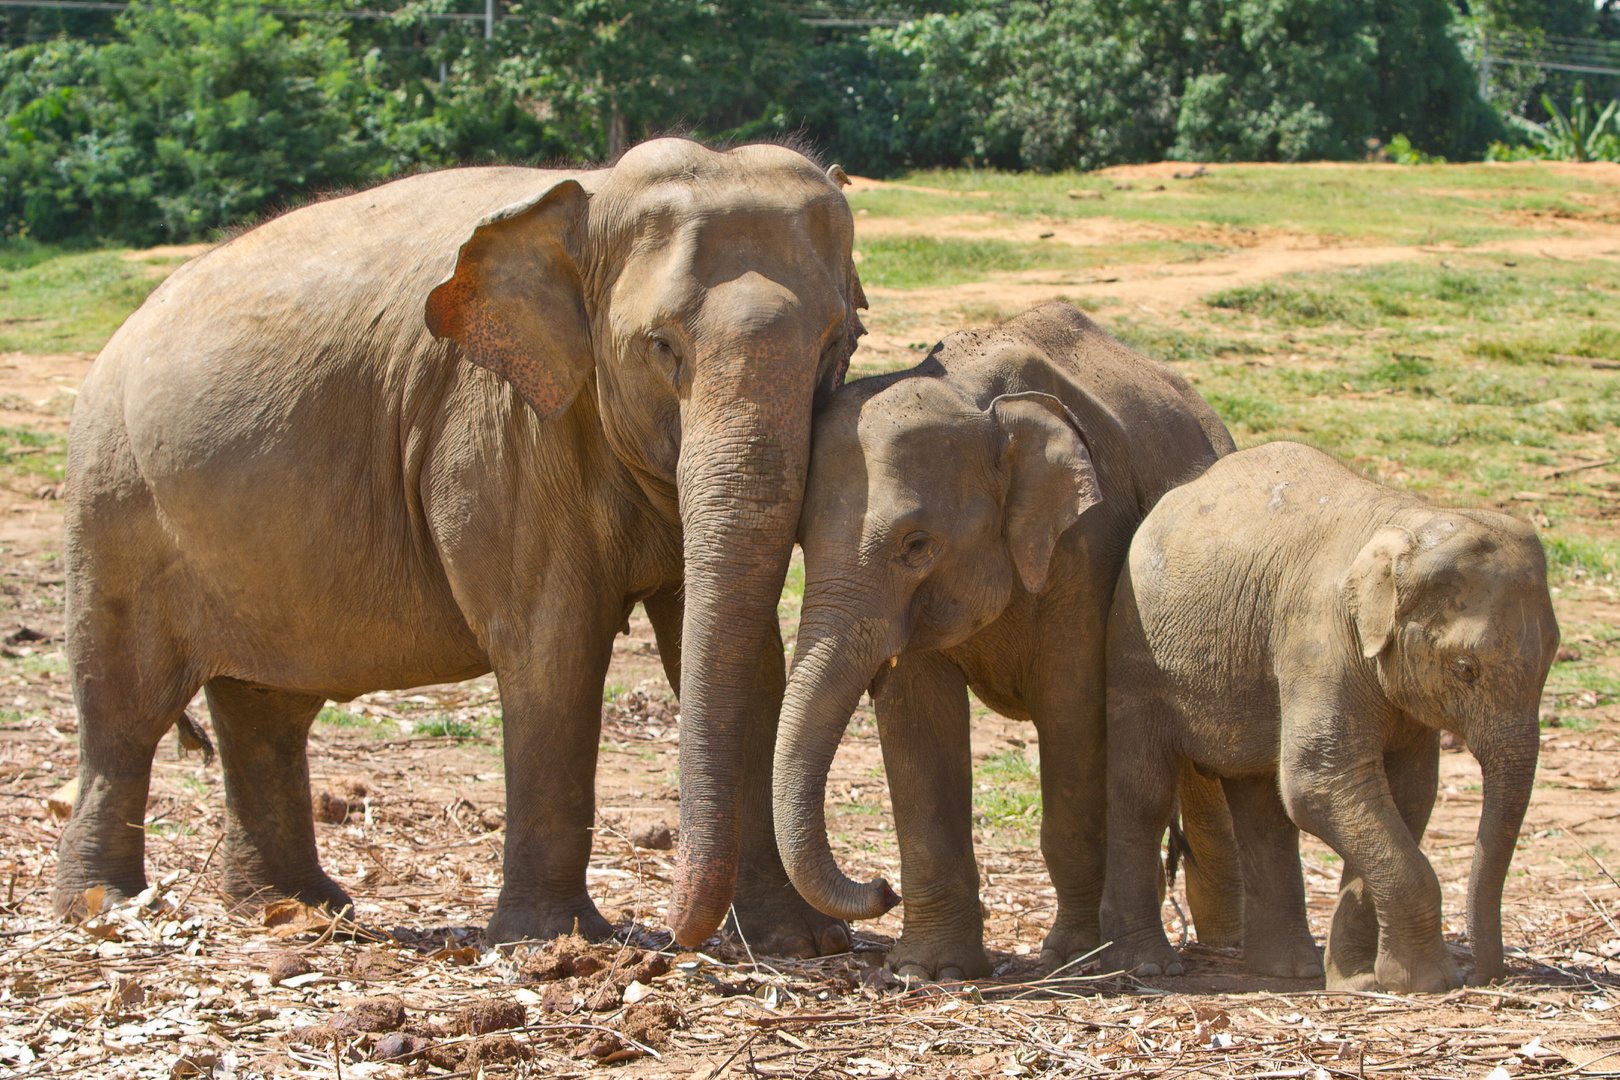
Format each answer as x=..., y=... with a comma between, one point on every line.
x=1507, y=754
x=830, y=669
x=741, y=481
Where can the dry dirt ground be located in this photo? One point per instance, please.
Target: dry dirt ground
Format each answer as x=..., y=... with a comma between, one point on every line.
x=410, y=783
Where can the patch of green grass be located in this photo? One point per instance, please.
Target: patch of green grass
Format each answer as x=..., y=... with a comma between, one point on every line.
x=1007, y=791
x=444, y=727
x=914, y=262
x=611, y=692
x=1570, y=555
x=71, y=301
x=1289, y=305
x=24, y=451
x=1466, y=205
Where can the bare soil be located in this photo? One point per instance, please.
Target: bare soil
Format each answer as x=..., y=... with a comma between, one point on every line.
x=182, y=985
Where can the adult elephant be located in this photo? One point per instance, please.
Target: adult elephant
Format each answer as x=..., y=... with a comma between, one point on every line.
x=285, y=488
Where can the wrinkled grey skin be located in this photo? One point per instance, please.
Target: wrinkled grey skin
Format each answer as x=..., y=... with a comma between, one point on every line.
x=965, y=523
x=288, y=484
x=1305, y=635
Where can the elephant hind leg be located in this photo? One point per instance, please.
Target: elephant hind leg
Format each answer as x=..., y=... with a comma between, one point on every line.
x=269, y=848
x=1213, y=874
x=128, y=693
x=1276, y=934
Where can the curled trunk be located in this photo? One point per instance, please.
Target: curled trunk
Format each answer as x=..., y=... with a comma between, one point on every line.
x=829, y=672
x=1507, y=756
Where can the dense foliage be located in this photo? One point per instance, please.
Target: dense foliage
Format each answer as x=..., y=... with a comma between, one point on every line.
x=170, y=119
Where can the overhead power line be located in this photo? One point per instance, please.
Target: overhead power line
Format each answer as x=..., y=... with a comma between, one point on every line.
x=1591, y=56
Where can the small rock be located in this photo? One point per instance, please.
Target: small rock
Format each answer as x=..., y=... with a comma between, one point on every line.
x=636, y=991
x=1086, y=193
x=376, y=964
x=286, y=965
x=490, y=1014
x=372, y=1014
x=1566, y=654
x=398, y=1047
x=330, y=808
x=492, y=819
x=653, y=836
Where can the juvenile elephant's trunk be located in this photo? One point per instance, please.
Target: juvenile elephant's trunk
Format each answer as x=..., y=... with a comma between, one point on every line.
x=1507, y=755
x=830, y=669
x=741, y=482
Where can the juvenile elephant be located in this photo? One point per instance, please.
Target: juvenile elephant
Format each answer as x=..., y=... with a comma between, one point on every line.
x=287, y=485
x=1305, y=634
x=964, y=525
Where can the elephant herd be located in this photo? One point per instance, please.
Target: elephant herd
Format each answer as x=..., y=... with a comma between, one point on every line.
x=466, y=421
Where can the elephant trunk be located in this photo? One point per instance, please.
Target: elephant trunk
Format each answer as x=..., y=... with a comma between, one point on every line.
x=830, y=669
x=741, y=481
x=1507, y=756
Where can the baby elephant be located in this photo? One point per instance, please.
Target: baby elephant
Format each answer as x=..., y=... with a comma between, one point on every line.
x=1305, y=635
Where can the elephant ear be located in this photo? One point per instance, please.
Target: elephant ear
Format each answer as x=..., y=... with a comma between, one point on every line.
x=516, y=302
x=1050, y=478
x=1372, y=590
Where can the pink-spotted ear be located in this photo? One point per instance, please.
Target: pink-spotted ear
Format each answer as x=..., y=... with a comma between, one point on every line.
x=1051, y=480
x=1371, y=588
x=516, y=302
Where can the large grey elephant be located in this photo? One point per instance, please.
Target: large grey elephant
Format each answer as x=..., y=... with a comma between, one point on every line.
x=287, y=484
x=1305, y=635
x=965, y=523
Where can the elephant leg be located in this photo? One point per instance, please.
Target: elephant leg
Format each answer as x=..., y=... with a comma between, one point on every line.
x=1352, y=946
x=1276, y=934
x=1212, y=871
x=768, y=911
x=1141, y=795
x=922, y=710
x=269, y=849
x=128, y=695
x=1353, y=808
x=551, y=707
x=1074, y=809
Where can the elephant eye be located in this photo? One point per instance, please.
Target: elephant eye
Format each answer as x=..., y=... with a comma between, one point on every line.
x=917, y=550
x=1465, y=668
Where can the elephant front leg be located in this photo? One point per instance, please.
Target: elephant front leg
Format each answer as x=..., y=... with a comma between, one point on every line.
x=1074, y=816
x=551, y=705
x=1353, y=808
x=922, y=710
x=1413, y=775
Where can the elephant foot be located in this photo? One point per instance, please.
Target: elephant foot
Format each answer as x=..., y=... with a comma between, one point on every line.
x=1352, y=941
x=1146, y=960
x=1066, y=944
x=517, y=920
x=1293, y=958
x=70, y=905
x=1418, y=975
x=785, y=925
x=256, y=891
x=929, y=958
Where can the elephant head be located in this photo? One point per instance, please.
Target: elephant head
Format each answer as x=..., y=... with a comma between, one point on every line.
x=694, y=304
x=1456, y=619
x=923, y=514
